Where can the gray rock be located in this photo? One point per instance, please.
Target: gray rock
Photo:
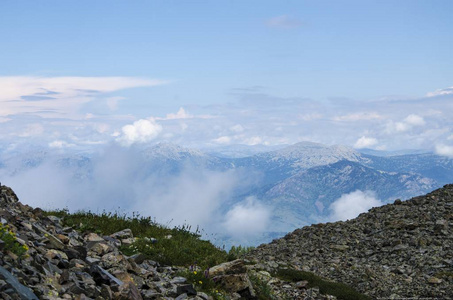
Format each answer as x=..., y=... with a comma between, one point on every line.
x=24, y=292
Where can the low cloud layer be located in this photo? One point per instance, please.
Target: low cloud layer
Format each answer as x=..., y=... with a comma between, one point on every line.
x=349, y=206
x=84, y=112
x=122, y=179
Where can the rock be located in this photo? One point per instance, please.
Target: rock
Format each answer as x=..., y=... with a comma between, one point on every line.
x=93, y=237
x=233, y=267
x=102, y=276
x=128, y=291
x=236, y=283
x=123, y=234
x=182, y=297
x=178, y=280
x=138, y=258
x=22, y=291
x=186, y=289
x=302, y=284
x=434, y=280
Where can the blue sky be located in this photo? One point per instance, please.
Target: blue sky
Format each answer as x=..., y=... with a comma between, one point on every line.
x=374, y=74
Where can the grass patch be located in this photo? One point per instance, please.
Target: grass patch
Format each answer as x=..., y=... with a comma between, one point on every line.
x=178, y=246
x=340, y=290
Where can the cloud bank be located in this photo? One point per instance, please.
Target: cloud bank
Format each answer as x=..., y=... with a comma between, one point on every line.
x=123, y=179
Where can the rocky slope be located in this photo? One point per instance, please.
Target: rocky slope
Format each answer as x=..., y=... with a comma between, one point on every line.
x=41, y=259
x=400, y=250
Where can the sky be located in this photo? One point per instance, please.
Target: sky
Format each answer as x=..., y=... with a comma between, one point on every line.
x=366, y=74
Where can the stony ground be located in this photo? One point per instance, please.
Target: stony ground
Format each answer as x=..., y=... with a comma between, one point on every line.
x=62, y=263
x=397, y=251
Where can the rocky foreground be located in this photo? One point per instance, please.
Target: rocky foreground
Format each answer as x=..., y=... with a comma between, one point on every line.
x=50, y=261
x=397, y=251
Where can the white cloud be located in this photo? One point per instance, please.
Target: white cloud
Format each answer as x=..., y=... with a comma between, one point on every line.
x=358, y=117
x=349, y=206
x=365, y=142
x=441, y=92
x=407, y=124
x=415, y=120
x=181, y=114
x=140, y=131
x=284, y=21
x=247, y=218
x=444, y=150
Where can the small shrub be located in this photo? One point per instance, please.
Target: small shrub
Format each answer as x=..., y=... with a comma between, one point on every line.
x=11, y=244
x=340, y=290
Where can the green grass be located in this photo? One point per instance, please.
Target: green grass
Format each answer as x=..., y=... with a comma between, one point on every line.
x=183, y=248
x=340, y=290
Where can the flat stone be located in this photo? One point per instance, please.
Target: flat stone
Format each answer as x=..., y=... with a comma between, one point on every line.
x=434, y=280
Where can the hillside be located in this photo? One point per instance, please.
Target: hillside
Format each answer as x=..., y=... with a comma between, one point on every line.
x=395, y=251
x=400, y=250
x=82, y=256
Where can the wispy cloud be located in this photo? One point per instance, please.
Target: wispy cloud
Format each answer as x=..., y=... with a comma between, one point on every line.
x=284, y=21
x=359, y=116
x=441, y=92
x=60, y=96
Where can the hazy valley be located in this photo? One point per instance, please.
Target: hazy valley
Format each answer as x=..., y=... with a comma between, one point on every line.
x=269, y=193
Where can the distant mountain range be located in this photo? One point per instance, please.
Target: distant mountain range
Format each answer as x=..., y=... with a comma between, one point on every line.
x=300, y=181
